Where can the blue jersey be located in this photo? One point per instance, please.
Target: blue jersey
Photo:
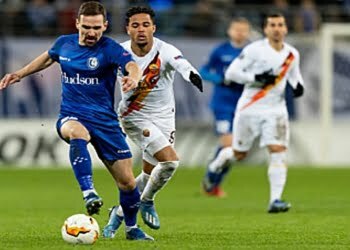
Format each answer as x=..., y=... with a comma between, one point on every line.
x=89, y=76
x=224, y=98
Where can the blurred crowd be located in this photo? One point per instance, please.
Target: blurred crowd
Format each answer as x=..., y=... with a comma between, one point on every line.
x=175, y=17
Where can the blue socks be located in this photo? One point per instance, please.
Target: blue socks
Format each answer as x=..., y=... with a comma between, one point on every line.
x=216, y=178
x=130, y=202
x=81, y=163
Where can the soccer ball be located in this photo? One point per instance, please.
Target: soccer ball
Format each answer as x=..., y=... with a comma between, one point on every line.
x=80, y=229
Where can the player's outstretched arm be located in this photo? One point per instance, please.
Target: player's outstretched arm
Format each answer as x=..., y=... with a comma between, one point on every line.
x=131, y=81
x=184, y=67
x=41, y=62
x=212, y=77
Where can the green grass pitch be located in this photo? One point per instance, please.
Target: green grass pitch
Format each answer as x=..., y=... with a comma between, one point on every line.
x=34, y=204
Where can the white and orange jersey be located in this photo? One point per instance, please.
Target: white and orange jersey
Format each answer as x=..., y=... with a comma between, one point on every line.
x=259, y=57
x=155, y=95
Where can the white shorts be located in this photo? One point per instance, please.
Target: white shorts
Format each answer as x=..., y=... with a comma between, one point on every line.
x=273, y=129
x=150, y=136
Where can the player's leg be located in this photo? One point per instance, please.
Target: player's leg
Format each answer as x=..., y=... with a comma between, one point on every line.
x=133, y=131
x=277, y=173
x=168, y=162
x=160, y=175
x=111, y=147
x=129, y=199
x=275, y=136
x=77, y=135
x=116, y=213
x=160, y=161
x=219, y=166
x=143, y=177
x=244, y=135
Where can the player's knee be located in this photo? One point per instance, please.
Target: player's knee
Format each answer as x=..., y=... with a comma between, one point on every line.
x=167, y=154
x=127, y=184
x=79, y=133
x=167, y=170
x=239, y=155
x=226, y=153
x=169, y=166
x=276, y=148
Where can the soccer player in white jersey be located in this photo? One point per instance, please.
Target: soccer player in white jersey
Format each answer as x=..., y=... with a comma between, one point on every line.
x=148, y=113
x=265, y=67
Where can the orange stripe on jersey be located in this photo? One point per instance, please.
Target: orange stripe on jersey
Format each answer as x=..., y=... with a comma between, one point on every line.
x=149, y=80
x=284, y=68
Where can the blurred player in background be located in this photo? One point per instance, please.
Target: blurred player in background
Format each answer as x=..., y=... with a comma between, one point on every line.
x=148, y=112
x=89, y=62
x=224, y=100
x=264, y=67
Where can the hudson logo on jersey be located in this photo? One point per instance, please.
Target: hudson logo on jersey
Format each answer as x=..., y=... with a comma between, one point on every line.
x=92, y=63
x=79, y=80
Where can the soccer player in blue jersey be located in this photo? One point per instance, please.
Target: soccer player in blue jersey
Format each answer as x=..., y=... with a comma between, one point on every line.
x=224, y=100
x=89, y=62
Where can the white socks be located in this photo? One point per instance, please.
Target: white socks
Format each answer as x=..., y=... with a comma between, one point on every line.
x=160, y=175
x=277, y=173
x=225, y=155
x=149, y=185
x=141, y=181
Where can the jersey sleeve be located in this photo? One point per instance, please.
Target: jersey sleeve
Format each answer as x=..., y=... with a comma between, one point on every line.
x=119, y=56
x=294, y=76
x=179, y=63
x=54, y=51
x=207, y=71
x=238, y=69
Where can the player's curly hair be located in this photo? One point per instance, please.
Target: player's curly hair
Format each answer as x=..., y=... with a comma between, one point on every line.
x=139, y=10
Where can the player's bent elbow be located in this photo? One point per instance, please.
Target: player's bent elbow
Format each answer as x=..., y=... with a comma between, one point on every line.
x=239, y=156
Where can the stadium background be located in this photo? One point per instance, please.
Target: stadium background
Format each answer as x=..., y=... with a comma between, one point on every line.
x=28, y=110
x=37, y=186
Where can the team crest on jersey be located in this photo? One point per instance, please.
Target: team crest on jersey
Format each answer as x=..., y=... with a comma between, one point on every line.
x=92, y=62
x=153, y=68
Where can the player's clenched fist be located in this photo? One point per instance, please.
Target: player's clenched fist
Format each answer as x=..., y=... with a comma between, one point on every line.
x=128, y=83
x=9, y=79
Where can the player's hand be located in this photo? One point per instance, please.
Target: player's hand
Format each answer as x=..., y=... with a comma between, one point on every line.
x=298, y=91
x=128, y=83
x=9, y=79
x=266, y=77
x=196, y=80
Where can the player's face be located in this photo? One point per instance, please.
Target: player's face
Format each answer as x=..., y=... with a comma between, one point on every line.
x=238, y=32
x=90, y=29
x=276, y=29
x=141, y=29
